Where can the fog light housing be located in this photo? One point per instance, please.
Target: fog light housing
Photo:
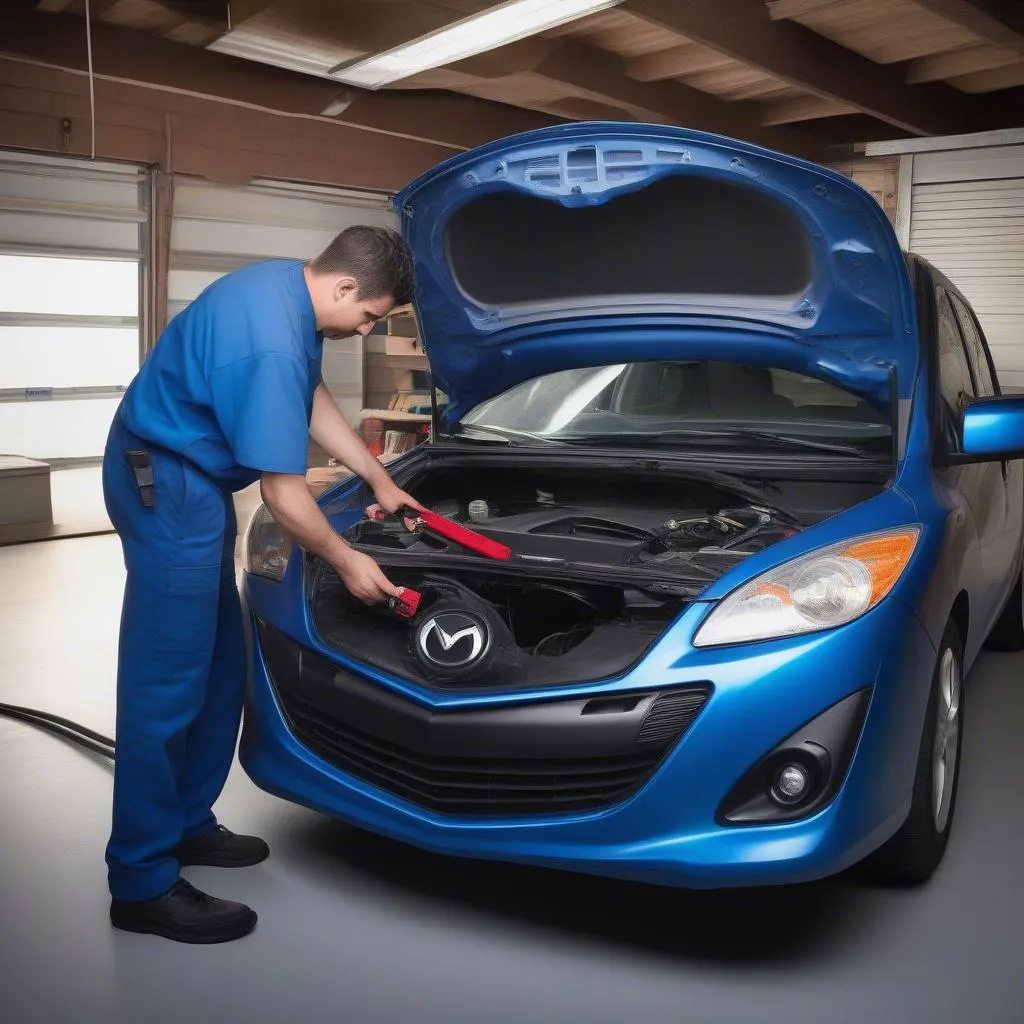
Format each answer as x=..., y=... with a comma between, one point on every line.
x=801, y=774
x=790, y=785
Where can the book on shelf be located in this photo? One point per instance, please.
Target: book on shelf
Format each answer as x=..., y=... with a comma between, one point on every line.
x=412, y=401
x=397, y=442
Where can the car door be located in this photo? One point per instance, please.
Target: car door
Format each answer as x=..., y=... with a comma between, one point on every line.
x=980, y=484
x=1007, y=517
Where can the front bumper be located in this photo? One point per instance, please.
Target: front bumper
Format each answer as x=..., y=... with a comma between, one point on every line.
x=665, y=829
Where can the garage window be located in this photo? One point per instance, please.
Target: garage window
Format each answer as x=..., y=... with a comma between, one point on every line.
x=71, y=245
x=69, y=346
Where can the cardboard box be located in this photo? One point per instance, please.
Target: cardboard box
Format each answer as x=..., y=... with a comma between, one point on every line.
x=405, y=353
x=24, y=491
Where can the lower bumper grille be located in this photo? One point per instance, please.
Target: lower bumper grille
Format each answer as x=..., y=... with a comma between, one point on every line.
x=549, y=757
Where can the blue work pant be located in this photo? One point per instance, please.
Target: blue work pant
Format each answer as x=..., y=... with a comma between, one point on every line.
x=181, y=664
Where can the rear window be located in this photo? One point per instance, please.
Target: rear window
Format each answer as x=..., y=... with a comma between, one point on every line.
x=680, y=236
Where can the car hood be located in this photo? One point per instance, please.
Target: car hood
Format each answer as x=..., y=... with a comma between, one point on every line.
x=594, y=243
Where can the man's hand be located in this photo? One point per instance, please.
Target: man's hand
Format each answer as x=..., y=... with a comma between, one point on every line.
x=295, y=511
x=363, y=578
x=391, y=498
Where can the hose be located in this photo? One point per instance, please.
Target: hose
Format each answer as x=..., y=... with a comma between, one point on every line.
x=65, y=728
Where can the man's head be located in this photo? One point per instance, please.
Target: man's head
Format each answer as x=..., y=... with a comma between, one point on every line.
x=359, y=278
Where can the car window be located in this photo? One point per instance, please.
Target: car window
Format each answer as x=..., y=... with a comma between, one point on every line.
x=955, y=380
x=976, y=349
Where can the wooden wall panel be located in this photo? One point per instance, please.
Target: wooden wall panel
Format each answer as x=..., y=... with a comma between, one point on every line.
x=878, y=175
x=197, y=135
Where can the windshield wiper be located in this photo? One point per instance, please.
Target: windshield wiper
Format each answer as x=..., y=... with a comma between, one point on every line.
x=723, y=434
x=502, y=435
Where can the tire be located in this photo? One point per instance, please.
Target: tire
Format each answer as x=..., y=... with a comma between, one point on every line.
x=911, y=856
x=1008, y=632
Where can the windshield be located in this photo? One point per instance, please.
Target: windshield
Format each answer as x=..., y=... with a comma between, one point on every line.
x=686, y=403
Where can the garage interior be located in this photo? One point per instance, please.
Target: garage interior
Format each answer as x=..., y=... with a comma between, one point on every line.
x=147, y=147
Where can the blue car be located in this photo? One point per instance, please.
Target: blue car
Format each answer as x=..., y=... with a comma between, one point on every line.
x=754, y=502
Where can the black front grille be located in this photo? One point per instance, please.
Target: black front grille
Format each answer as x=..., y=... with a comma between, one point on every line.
x=511, y=760
x=470, y=786
x=661, y=723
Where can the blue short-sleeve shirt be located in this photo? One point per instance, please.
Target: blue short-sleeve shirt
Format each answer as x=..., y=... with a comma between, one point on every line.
x=230, y=383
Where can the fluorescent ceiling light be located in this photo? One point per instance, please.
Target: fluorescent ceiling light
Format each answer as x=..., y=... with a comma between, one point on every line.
x=497, y=26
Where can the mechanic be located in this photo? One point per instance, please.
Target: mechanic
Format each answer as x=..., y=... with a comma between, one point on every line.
x=229, y=395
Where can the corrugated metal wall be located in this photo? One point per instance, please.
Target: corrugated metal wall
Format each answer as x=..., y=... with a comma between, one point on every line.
x=967, y=218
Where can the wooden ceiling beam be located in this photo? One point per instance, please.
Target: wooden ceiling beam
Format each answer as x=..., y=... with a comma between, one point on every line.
x=211, y=13
x=460, y=122
x=97, y=8
x=992, y=80
x=802, y=108
x=785, y=10
x=745, y=31
x=601, y=76
x=570, y=71
x=243, y=10
x=963, y=61
x=687, y=59
x=996, y=21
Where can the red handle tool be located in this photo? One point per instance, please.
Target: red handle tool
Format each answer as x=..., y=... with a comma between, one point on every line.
x=455, y=532
x=406, y=605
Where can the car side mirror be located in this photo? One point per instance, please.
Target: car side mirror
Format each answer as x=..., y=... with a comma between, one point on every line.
x=993, y=429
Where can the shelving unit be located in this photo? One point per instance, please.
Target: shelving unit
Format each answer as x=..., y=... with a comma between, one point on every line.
x=396, y=396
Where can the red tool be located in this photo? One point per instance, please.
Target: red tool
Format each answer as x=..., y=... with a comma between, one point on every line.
x=455, y=532
x=406, y=605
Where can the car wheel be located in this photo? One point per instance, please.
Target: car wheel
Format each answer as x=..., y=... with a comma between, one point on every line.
x=1008, y=632
x=913, y=854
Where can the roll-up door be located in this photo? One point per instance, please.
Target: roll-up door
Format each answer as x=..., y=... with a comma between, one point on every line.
x=967, y=218
x=72, y=236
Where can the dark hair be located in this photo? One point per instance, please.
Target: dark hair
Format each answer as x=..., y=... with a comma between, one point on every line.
x=377, y=258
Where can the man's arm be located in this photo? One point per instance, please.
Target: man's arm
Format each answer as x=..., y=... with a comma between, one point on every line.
x=329, y=428
x=295, y=511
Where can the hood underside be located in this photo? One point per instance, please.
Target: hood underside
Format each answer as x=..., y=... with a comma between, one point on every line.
x=591, y=244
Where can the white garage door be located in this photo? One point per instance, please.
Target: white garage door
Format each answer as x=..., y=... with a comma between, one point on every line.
x=967, y=217
x=71, y=244
x=219, y=228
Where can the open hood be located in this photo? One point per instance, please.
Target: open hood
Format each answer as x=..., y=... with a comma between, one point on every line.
x=594, y=243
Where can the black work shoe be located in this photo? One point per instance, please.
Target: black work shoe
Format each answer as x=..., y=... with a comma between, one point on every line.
x=184, y=914
x=220, y=848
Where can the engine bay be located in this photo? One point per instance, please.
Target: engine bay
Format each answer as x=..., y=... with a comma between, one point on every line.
x=601, y=566
x=654, y=529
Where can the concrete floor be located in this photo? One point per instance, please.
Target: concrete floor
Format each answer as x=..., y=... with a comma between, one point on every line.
x=358, y=929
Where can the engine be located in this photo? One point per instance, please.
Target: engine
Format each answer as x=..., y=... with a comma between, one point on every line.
x=595, y=578
x=605, y=534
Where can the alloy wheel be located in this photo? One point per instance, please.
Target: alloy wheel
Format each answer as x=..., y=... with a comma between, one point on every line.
x=947, y=738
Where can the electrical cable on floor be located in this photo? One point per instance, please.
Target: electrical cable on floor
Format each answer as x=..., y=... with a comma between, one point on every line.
x=62, y=727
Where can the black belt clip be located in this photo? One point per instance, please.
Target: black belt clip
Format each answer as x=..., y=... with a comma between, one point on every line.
x=142, y=467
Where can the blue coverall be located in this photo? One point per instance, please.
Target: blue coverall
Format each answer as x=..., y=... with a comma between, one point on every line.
x=225, y=395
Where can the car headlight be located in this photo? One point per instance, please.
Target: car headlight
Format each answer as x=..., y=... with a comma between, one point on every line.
x=267, y=546
x=819, y=590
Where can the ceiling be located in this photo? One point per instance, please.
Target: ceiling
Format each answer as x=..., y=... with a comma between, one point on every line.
x=803, y=76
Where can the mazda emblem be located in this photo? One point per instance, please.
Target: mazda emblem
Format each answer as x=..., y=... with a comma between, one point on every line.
x=452, y=640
